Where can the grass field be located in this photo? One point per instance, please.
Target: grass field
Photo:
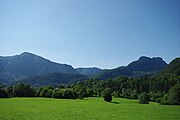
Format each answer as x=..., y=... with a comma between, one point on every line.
x=89, y=108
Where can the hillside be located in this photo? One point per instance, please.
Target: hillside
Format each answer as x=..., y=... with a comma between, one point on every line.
x=172, y=69
x=28, y=64
x=113, y=73
x=53, y=79
x=142, y=66
x=89, y=71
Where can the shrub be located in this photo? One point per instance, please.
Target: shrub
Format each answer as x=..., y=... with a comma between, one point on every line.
x=66, y=93
x=143, y=98
x=154, y=96
x=38, y=92
x=23, y=90
x=163, y=101
x=10, y=91
x=81, y=92
x=46, y=92
x=159, y=100
x=107, y=94
x=89, y=92
x=3, y=93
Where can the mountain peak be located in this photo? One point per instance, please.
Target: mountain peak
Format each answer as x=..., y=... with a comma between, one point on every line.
x=27, y=54
x=27, y=64
x=144, y=58
x=147, y=64
x=157, y=58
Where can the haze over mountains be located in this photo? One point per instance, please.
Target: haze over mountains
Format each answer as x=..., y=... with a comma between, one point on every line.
x=31, y=67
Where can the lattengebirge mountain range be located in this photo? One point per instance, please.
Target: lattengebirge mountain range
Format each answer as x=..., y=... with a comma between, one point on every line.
x=36, y=70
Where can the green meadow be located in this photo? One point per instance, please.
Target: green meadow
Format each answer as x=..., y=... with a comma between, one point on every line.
x=87, y=109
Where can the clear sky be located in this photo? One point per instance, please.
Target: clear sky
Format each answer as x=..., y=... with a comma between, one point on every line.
x=91, y=33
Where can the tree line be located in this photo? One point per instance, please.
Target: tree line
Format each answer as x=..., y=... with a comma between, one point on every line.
x=162, y=89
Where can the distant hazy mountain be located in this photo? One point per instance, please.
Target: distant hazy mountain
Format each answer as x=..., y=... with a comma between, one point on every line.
x=89, y=71
x=143, y=66
x=28, y=64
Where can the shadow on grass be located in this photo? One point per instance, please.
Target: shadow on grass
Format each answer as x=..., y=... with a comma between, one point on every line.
x=83, y=99
x=115, y=102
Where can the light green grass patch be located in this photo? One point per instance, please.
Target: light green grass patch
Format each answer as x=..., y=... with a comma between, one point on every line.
x=87, y=109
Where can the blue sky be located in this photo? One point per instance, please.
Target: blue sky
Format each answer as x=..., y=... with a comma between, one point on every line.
x=91, y=33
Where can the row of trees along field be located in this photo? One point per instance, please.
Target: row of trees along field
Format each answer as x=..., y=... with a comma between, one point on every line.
x=165, y=90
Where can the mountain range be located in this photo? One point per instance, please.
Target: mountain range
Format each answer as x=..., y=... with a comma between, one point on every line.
x=19, y=67
x=28, y=64
x=142, y=66
x=35, y=69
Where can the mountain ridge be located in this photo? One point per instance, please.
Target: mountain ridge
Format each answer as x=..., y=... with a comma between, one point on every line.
x=143, y=66
x=147, y=64
x=26, y=65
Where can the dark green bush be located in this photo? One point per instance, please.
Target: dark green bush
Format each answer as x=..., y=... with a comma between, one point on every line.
x=3, y=93
x=46, y=92
x=159, y=100
x=66, y=93
x=143, y=98
x=23, y=90
x=107, y=94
